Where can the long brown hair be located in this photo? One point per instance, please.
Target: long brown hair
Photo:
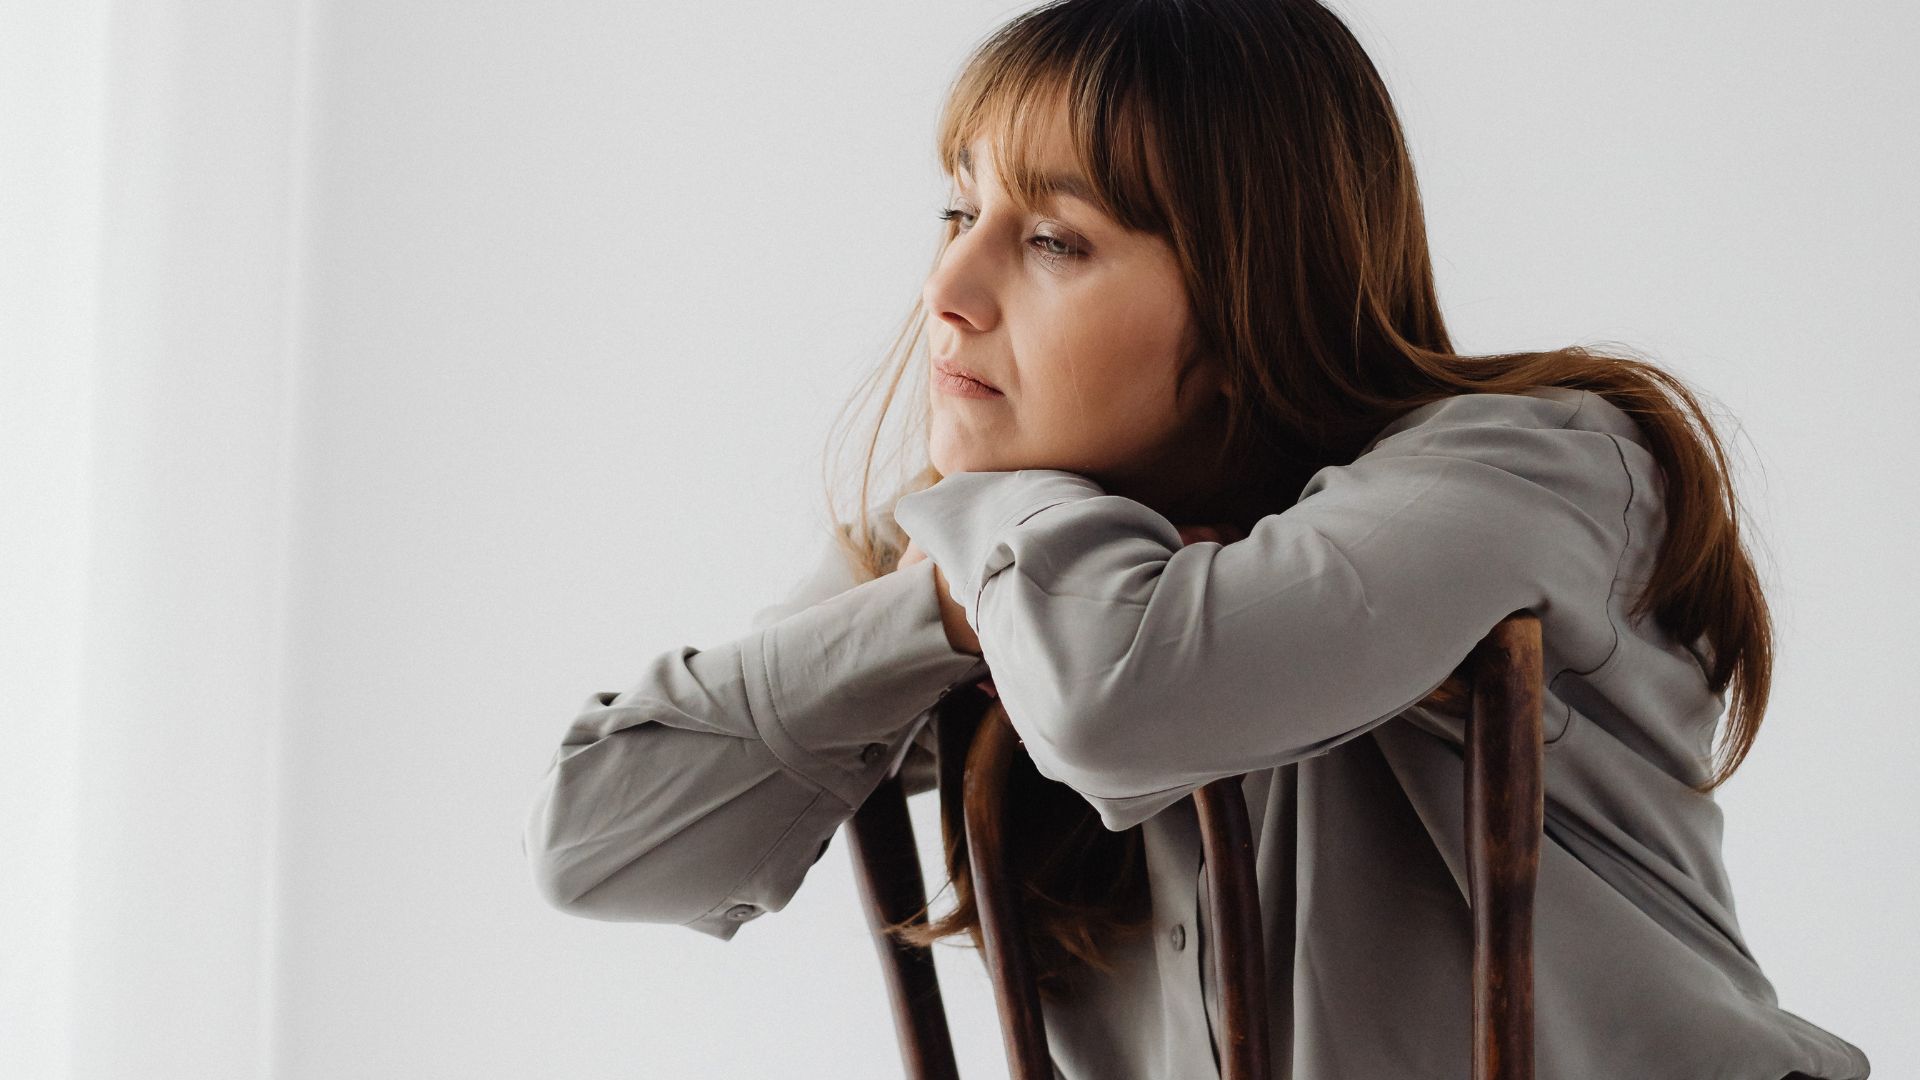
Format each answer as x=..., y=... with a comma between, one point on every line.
x=1257, y=138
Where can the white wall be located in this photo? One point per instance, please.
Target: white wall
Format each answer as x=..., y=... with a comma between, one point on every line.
x=374, y=371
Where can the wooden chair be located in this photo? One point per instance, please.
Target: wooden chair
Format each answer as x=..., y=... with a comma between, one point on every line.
x=1504, y=801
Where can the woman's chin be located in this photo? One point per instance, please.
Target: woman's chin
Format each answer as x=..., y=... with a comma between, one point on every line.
x=952, y=459
x=948, y=465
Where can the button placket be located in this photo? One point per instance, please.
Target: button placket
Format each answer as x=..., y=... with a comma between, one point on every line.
x=1173, y=852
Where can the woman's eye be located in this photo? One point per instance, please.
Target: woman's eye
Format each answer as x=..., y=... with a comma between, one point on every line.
x=1065, y=250
x=1068, y=250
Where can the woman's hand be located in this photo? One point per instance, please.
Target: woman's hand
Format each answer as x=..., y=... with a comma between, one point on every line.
x=954, y=617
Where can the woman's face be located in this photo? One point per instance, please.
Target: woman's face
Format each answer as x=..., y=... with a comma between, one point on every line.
x=1079, y=324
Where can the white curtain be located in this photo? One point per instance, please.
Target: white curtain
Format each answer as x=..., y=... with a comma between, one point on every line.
x=145, y=421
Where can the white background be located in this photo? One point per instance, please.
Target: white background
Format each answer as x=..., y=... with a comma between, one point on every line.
x=381, y=378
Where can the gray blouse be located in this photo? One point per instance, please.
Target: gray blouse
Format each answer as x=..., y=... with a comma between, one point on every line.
x=1137, y=669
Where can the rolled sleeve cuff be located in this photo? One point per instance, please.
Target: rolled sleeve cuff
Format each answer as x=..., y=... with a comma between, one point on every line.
x=960, y=520
x=837, y=690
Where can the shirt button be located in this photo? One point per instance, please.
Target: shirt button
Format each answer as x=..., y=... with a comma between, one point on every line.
x=742, y=912
x=1177, y=936
x=873, y=752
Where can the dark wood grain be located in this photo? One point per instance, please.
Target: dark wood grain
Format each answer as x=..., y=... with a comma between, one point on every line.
x=887, y=869
x=1505, y=803
x=1226, y=841
x=1002, y=922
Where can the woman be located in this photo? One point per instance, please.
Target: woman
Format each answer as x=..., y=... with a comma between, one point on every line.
x=1209, y=493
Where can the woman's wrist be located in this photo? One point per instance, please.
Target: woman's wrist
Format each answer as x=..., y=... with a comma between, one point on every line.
x=953, y=617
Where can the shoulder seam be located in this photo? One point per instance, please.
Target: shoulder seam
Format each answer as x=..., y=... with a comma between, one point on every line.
x=1626, y=522
x=1566, y=723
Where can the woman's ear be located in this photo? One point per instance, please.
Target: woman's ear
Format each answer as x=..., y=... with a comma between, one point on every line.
x=1219, y=375
x=1223, y=381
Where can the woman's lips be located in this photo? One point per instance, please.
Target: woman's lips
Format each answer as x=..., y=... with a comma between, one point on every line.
x=950, y=381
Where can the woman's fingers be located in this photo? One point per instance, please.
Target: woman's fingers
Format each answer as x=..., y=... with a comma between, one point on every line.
x=1219, y=534
x=909, y=555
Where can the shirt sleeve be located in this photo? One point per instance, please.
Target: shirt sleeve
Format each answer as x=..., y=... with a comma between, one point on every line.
x=1136, y=669
x=703, y=793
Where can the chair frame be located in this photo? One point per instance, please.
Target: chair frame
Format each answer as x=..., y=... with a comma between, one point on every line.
x=1504, y=803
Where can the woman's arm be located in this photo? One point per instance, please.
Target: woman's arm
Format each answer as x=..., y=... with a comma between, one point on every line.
x=1137, y=669
x=703, y=793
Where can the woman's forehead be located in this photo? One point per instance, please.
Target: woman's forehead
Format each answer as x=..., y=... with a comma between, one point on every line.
x=1041, y=134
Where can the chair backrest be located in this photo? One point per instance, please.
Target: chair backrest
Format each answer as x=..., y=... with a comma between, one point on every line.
x=1504, y=803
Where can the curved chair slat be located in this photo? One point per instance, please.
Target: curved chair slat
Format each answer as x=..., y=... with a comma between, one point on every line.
x=1239, y=952
x=1002, y=921
x=1505, y=809
x=887, y=869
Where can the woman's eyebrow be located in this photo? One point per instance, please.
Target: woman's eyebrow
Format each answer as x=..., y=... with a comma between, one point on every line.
x=1070, y=185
